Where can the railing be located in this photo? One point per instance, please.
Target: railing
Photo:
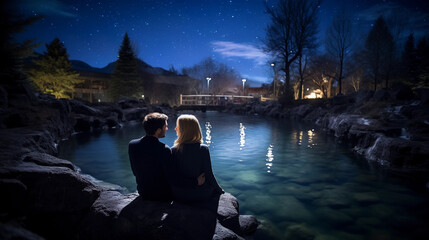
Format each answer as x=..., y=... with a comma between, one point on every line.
x=212, y=100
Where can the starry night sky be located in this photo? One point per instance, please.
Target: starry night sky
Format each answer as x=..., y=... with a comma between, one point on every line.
x=169, y=33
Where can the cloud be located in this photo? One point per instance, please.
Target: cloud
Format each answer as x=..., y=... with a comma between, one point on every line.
x=246, y=51
x=256, y=79
x=46, y=8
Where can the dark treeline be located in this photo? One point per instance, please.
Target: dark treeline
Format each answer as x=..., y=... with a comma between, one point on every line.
x=386, y=55
x=380, y=58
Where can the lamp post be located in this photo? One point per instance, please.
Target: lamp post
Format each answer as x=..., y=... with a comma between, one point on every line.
x=208, y=83
x=244, y=81
x=274, y=78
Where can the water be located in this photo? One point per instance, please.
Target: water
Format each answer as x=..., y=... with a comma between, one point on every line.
x=297, y=180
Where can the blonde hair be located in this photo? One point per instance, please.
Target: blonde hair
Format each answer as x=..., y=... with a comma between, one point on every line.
x=189, y=130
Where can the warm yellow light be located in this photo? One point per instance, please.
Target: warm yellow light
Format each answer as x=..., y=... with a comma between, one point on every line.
x=312, y=95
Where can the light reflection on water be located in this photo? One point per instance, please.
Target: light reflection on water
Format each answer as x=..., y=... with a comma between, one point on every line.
x=294, y=178
x=208, y=131
x=242, y=136
x=270, y=158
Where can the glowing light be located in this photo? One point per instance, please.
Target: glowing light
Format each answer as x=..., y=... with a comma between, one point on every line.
x=310, y=138
x=242, y=136
x=270, y=158
x=314, y=94
x=300, y=138
x=208, y=133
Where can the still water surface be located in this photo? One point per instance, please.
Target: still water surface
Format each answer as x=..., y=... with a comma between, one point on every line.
x=297, y=180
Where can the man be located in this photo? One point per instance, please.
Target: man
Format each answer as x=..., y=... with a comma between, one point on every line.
x=148, y=157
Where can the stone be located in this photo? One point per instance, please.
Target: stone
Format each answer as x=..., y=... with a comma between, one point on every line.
x=44, y=159
x=132, y=114
x=130, y=217
x=53, y=189
x=301, y=111
x=12, y=232
x=126, y=103
x=83, y=123
x=227, y=212
x=112, y=122
x=316, y=114
x=248, y=224
x=80, y=107
x=399, y=152
x=222, y=233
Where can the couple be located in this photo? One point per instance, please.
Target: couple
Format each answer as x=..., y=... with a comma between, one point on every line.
x=182, y=173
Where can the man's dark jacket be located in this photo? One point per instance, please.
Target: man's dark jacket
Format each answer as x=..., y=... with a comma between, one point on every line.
x=148, y=157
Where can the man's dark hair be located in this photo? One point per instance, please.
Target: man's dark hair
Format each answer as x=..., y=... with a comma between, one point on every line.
x=153, y=121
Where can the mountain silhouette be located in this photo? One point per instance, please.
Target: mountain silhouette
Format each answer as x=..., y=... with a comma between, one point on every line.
x=109, y=68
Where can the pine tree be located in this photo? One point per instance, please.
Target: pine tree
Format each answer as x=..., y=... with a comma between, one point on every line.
x=126, y=79
x=409, y=59
x=423, y=63
x=53, y=73
x=12, y=53
x=379, y=48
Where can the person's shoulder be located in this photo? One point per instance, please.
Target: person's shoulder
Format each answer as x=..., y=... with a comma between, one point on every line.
x=174, y=149
x=166, y=147
x=204, y=147
x=135, y=141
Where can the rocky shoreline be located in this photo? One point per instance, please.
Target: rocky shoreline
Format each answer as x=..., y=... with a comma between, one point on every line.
x=44, y=197
x=390, y=127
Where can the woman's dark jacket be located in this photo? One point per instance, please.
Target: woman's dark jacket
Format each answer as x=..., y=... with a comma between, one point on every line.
x=189, y=162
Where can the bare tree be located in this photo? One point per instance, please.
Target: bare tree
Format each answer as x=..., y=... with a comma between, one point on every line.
x=222, y=77
x=293, y=28
x=302, y=73
x=339, y=40
x=322, y=72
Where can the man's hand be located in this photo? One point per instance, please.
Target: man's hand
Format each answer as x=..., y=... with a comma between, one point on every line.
x=201, y=179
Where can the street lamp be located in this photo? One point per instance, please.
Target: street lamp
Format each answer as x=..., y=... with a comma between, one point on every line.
x=274, y=77
x=244, y=81
x=208, y=83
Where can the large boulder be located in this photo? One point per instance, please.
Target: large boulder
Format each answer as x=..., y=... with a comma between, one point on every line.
x=126, y=103
x=399, y=153
x=50, y=200
x=13, y=232
x=130, y=217
x=134, y=114
x=301, y=111
x=80, y=107
x=228, y=212
x=17, y=142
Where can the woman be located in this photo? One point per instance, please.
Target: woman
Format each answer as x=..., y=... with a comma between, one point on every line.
x=191, y=159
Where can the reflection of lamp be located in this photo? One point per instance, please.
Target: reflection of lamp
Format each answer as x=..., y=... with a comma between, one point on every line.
x=244, y=81
x=208, y=83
